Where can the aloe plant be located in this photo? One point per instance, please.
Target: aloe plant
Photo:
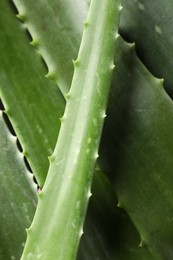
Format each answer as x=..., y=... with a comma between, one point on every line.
x=129, y=215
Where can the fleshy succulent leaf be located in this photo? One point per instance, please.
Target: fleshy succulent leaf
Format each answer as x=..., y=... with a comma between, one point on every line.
x=45, y=95
x=64, y=18
x=72, y=163
x=150, y=24
x=109, y=234
x=140, y=147
x=18, y=196
x=16, y=71
x=31, y=101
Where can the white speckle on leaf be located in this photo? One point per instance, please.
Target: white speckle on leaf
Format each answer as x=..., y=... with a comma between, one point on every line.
x=87, y=151
x=89, y=140
x=11, y=204
x=95, y=121
x=39, y=129
x=141, y=7
x=157, y=29
x=73, y=225
x=45, y=140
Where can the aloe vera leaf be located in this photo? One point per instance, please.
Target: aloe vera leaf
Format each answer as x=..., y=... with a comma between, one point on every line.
x=72, y=163
x=32, y=102
x=140, y=145
x=111, y=235
x=21, y=125
x=60, y=24
x=17, y=194
x=150, y=24
x=19, y=95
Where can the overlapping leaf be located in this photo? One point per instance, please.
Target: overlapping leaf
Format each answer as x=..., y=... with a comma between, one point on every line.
x=32, y=102
x=150, y=24
x=17, y=194
x=56, y=32
x=47, y=113
x=139, y=150
x=26, y=89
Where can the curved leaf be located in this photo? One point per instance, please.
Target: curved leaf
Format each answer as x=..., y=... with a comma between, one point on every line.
x=32, y=102
x=67, y=188
x=140, y=145
x=109, y=234
x=150, y=24
x=18, y=196
x=38, y=101
x=56, y=32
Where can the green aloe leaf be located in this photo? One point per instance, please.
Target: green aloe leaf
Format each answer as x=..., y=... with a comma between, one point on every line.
x=72, y=163
x=111, y=235
x=140, y=151
x=32, y=102
x=18, y=196
x=60, y=24
x=29, y=97
x=150, y=24
x=36, y=101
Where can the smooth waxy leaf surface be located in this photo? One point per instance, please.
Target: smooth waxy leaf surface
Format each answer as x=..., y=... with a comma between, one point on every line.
x=72, y=163
x=31, y=95
x=150, y=25
x=28, y=90
x=32, y=102
x=111, y=235
x=140, y=151
x=17, y=194
x=56, y=32
x=20, y=63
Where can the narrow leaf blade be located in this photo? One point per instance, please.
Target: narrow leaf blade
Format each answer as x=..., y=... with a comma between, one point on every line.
x=18, y=196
